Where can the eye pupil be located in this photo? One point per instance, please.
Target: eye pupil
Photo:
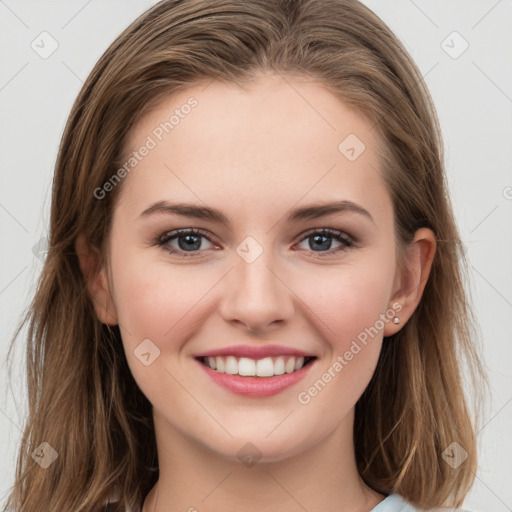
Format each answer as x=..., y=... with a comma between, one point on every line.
x=192, y=242
x=323, y=246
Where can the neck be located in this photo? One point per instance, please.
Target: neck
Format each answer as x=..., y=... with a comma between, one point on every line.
x=194, y=478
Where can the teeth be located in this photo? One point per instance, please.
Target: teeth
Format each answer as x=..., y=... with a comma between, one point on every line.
x=264, y=367
x=279, y=366
x=231, y=366
x=246, y=367
x=290, y=365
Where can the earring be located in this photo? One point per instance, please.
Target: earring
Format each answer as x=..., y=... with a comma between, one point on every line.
x=396, y=320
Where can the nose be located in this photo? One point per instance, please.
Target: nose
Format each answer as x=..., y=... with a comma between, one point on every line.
x=256, y=296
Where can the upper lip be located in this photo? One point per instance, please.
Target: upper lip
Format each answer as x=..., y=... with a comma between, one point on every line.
x=255, y=352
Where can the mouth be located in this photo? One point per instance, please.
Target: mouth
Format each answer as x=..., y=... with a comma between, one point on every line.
x=256, y=371
x=256, y=378
x=248, y=367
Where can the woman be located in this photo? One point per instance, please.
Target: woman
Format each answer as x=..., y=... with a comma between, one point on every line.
x=196, y=341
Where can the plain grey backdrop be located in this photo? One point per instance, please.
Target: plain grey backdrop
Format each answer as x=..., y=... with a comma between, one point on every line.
x=462, y=47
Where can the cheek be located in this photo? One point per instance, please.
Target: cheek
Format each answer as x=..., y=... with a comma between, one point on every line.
x=350, y=308
x=157, y=301
x=347, y=302
x=353, y=331
x=160, y=303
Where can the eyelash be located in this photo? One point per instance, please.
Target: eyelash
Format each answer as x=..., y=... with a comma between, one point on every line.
x=164, y=240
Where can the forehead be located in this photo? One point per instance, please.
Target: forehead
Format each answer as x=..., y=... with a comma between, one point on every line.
x=278, y=138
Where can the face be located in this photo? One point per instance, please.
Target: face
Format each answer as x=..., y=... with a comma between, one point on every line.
x=258, y=274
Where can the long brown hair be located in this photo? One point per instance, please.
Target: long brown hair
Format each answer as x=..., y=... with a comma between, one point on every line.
x=83, y=400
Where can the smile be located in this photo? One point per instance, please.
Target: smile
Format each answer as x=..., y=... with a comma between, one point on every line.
x=247, y=367
x=255, y=378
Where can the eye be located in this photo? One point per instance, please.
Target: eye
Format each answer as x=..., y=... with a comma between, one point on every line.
x=189, y=241
x=322, y=240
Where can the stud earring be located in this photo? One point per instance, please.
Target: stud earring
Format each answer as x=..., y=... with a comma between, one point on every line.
x=396, y=320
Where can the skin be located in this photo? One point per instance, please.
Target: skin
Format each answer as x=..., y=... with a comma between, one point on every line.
x=255, y=153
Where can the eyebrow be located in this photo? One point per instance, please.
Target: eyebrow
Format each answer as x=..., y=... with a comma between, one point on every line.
x=309, y=212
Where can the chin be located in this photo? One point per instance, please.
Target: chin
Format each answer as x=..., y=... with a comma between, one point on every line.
x=252, y=445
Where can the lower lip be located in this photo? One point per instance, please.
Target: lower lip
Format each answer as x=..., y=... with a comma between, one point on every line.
x=256, y=386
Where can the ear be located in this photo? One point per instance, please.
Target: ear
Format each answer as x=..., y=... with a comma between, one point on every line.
x=410, y=281
x=96, y=281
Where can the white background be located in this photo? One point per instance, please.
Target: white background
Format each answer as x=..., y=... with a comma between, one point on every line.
x=473, y=95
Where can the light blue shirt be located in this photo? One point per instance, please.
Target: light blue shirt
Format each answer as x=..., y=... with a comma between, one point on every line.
x=395, y=503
